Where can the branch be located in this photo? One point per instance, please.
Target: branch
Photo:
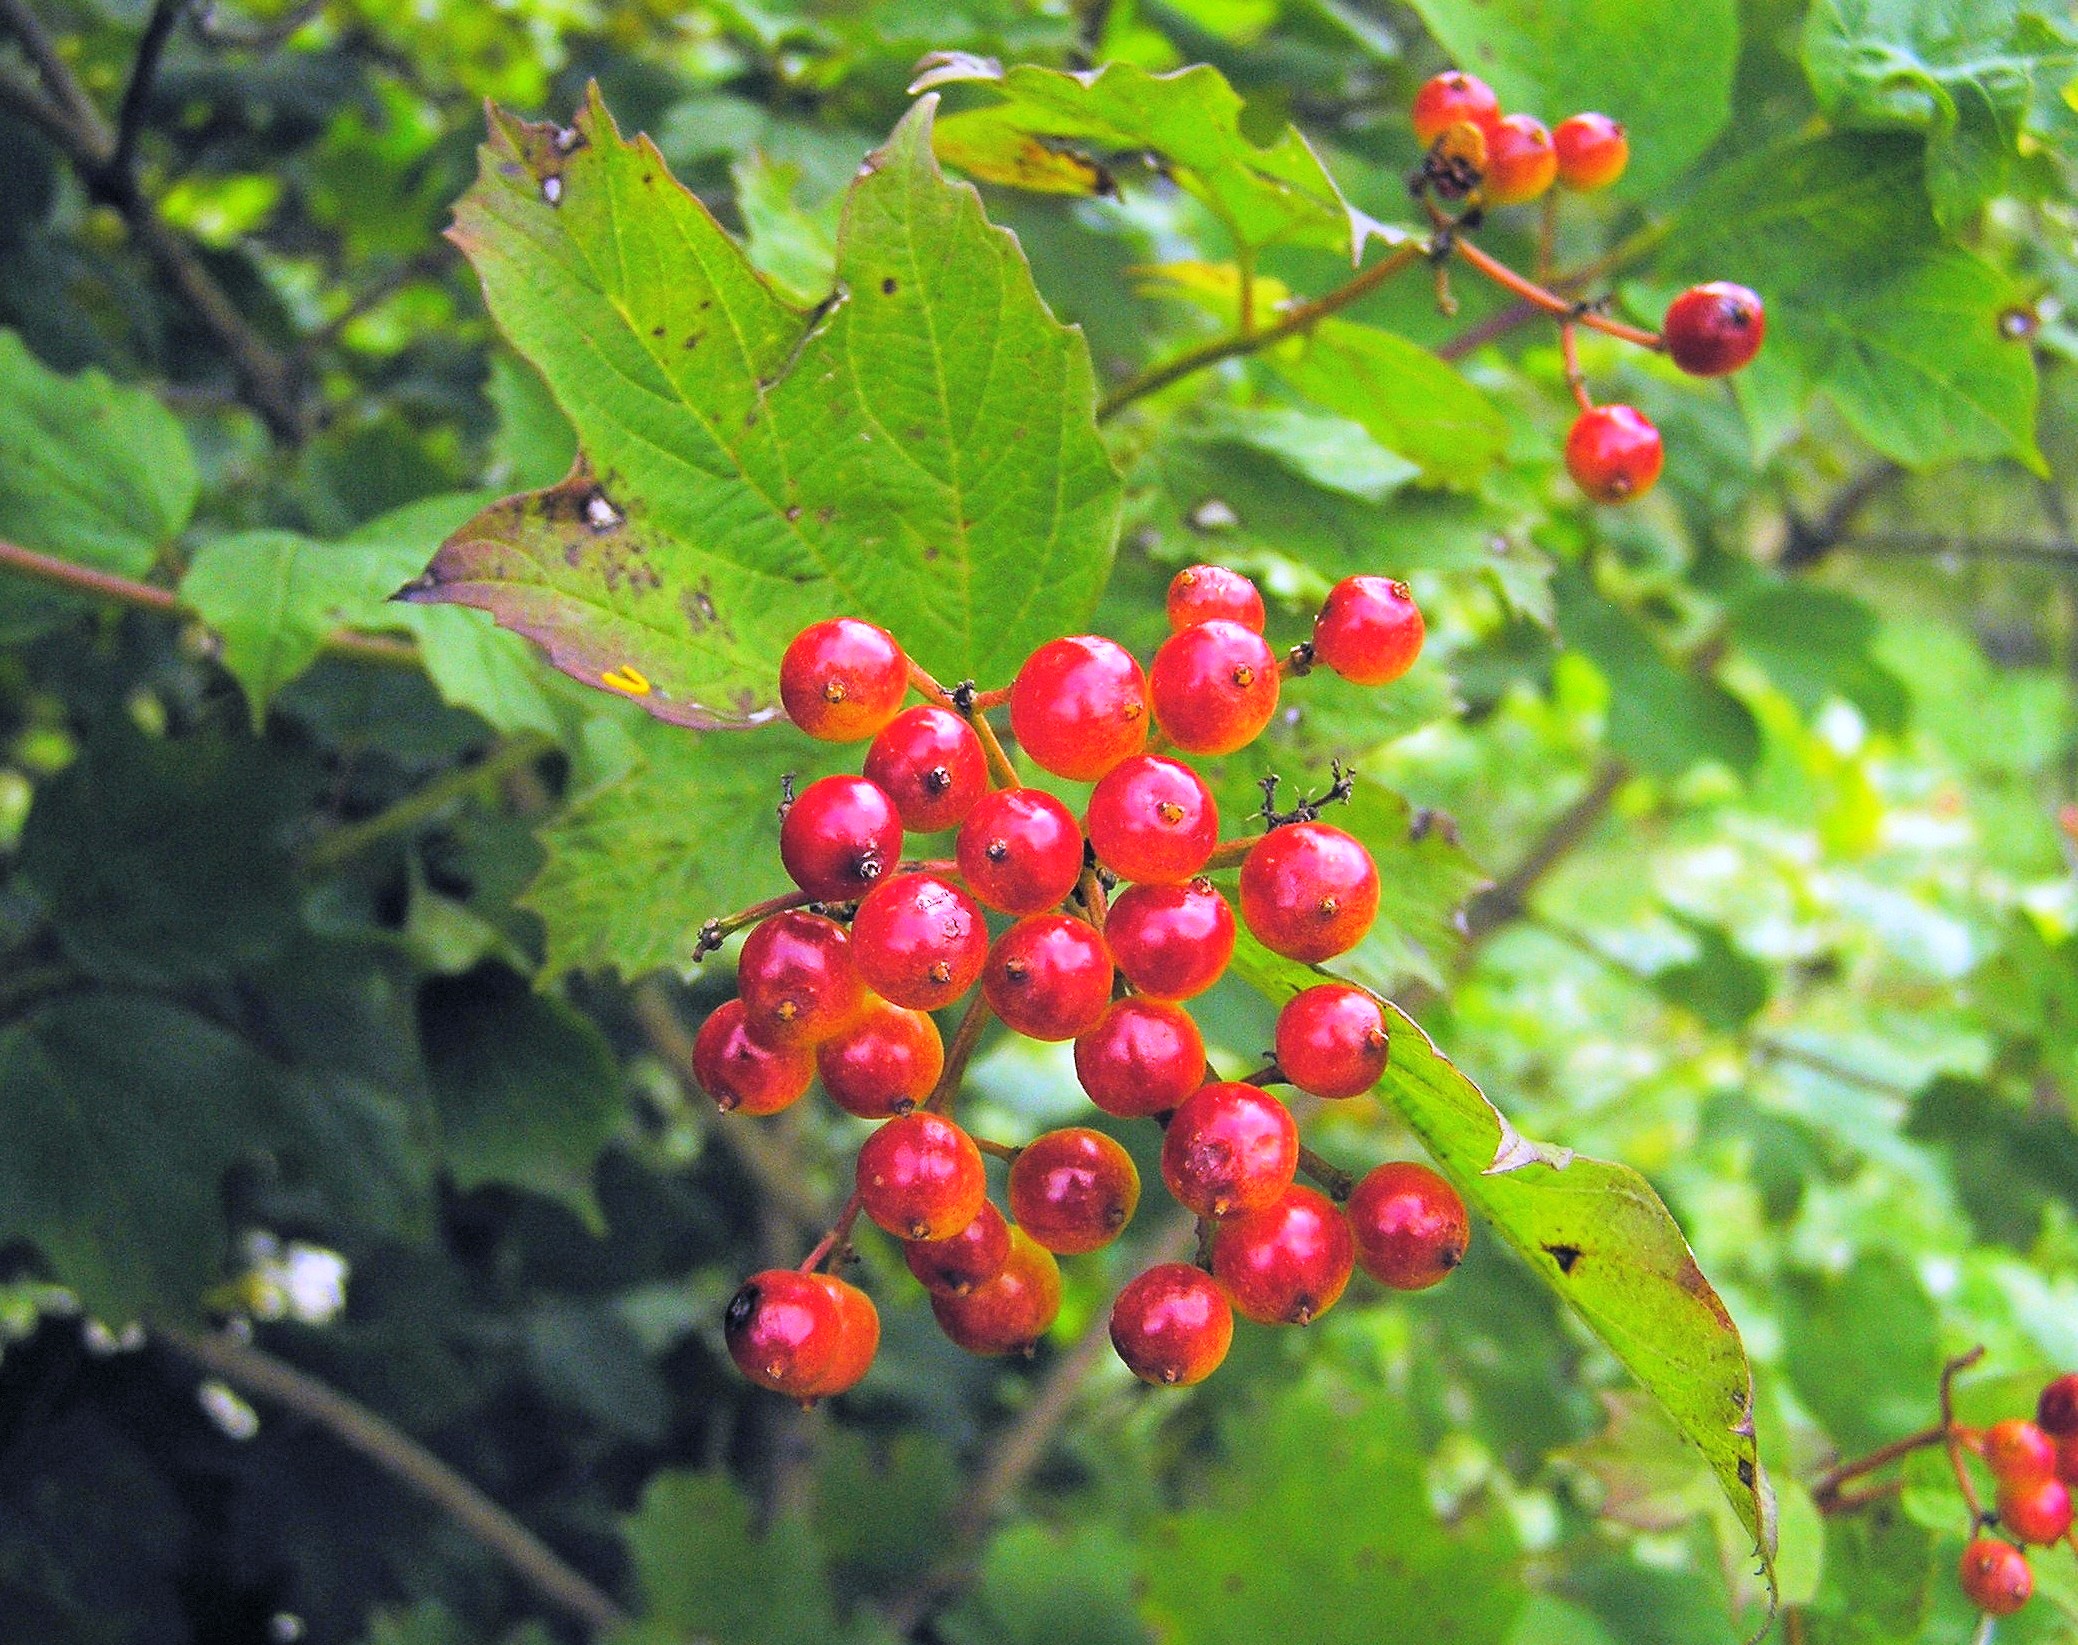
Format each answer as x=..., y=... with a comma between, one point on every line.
x=58, y=79
x=1507, y=900
x=406, y=1461
x=422, y=805
x=31, y=105
x=2041, y=552
x=1812, y=540
x=137, y=94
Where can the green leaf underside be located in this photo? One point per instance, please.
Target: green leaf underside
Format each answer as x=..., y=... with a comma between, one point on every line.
x=1864, y=301
x=921, y=450
x=1407, y=399
x=1664, y=70
x=1054, y=131
x=1592, y=1231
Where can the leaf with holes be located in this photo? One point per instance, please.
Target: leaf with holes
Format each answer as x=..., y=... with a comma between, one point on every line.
x=920, y=449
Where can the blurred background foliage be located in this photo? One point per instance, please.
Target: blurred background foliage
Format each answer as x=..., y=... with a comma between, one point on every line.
x=1731, y=835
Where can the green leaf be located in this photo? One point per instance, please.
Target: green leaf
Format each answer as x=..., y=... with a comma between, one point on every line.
x=1815, y=643
x=1967, y=76
x=527, y=1090
x=1722, y=984
x=535, y=444
x=1411, y=402
x=1345, y=1466
x=1057, y=132
x=705, y=1575
x=1040, y=1586
x=1596, y=1234
x=747, y=466
x=1664, y=70
x=1864, y=301
x=1863, y=1400
x=793, y=248
x=90, y=471
x=634, y=869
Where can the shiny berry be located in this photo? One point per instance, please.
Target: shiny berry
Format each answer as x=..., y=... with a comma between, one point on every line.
x=1079, y=706
x=1152, y=819
x=1521, y=162
x=2067, y=1459
x=2018, y=1451
x=1715, y=329
x=1171, y=941
x=2037, y=1511
x=1172, y=1325
x=1230, y=1149
x=742, y=1075
x=1369, y=630
x=1288, y=1263
x=1332, y=1040
x=840, y=837
x=2056, y=1412
x=1995, y=1576
x=884, y=1064
x=784, y=1331
x=1048, y=977
x=842, y=680
x=1199, y=593
x=1073, y=1190
x=1308, y=891
x=1010, y=1313
x=1592, y=151
x=1020, y=850
x=1614, y=453
x=929, y=762
x=973, y=1256
x=1214, y=687
x=1143, y=1057
x=858, y=1338
x=797, y=980
x=1450, y=97
x=1409, y=1226
x=919, y=941
x=920, y=1177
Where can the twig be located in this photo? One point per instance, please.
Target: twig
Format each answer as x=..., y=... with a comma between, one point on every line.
x=1825, y=1491
x=371, y=296
x=1549, y=301
x=1949, y=1372
x=259, y=36
x=1508, y=898
x=58, y=78
x=424, y=804
x=958, y=1054
x=840, y=1231
x=405, y=1460
x=1338, y=1182
x=137, y=93
x=1812, y=540
x=2041, y=552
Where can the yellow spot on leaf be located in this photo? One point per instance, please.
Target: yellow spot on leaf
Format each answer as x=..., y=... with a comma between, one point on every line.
x=627, y=678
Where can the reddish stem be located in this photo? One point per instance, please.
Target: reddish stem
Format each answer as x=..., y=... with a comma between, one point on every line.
x=1231, y=853
x=1569, y=351
x=840, y=1231
x=1549, y=301
x=957, y=1055
x=999, y=1150
x=1338, y=1182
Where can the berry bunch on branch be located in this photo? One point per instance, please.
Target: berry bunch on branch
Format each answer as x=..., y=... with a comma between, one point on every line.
x=1095, y=929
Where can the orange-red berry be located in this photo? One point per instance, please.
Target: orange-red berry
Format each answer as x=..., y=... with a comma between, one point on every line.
x=1079, y=706
x=842, y=680
x=1409, y=1224
x=920, y=1177
x=1614, y=453
x=1592, y=151
x=1521, y=162
x=1010, y=1313
x=1450, y=97
x=1172, y=1325
x=1073, y=1190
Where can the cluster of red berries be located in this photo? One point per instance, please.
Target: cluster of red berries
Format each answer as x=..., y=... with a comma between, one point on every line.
x=2036, y=1466
x=1476, y=152
x=1106, y=925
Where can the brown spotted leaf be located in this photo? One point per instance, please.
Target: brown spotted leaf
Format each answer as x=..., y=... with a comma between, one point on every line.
x=920, y=449
x=1596, y=1234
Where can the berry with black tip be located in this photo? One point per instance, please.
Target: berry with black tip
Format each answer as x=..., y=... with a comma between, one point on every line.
x=1230, y=1149
x=1010, y=1313
x=840, y=838
x=1079, y=706
x=1614, y=453
x=1214, y=687
x=974, y=1256
x=1048, y=977
x=1172, y=1325
x=1715, y=329
x=920, y=1177
x=929, y=762
x=1369, y=630
x=1152, y=820
x=884, y=1064
x=1020, y=850
x=2056, y=1412
x=1409, y=1225
x=1288, y=1263
x=919, y=941
x=842, y=680
x=1332, y=1040
x=797, y=980
x=1450, y=97
x=1309, y=891
x=742, y=1074
x=1073, y=1190
x=784, y=1331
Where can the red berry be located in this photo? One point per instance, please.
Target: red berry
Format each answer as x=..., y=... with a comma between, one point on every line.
x=797, y=980
x=1592, y=151
x=842, y=680
x=1614, y=453
x=1286, y=1264
x=1450, y=97
x=1308, y=891
x=858, y=1338
x=1152, y=820
x=1073, y=1190
x=920, y=1177
x=1995, y=1576
x=1144, y=1057
x=919, y=941
x=1048, y=977
x=1171, y=941
x=1172, y=1325
x=1369, y=630
x=1010, y=1313
x=784, y=1331
x=1214, y=687
x=1230, y=1149
x=1020, y=850
x=2037, y=1511
x=840, y=837
x=973, y=1256
x=929, y=762
x=2019, y=1452
x=1332, y=1040
x=884, y=1064
x=1715, y=329
x=1079, y=706
x=2067, y=1459
x=1409, y=1226
x=1521, y=162
x=1199, y=593
x=2056, y=1412
x=743, y=1075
